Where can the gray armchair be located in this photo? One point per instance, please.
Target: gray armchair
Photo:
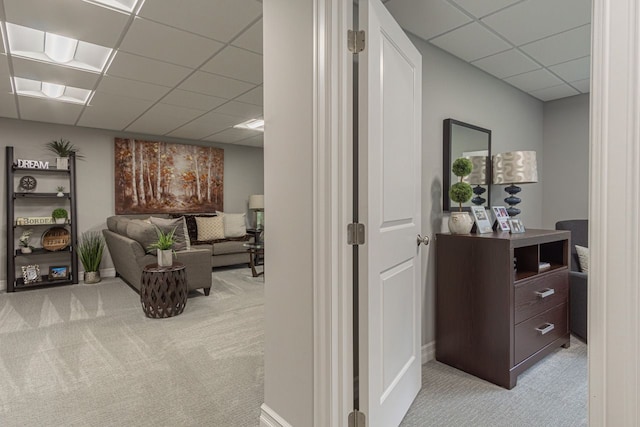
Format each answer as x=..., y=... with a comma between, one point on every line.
x=579, y=229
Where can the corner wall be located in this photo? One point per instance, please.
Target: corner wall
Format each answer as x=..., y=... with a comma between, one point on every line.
x=243, y=171
x=565, y=192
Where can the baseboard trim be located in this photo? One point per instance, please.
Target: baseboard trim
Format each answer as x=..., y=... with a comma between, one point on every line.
x=270, y=418
x=428, y=352
x=3, y=285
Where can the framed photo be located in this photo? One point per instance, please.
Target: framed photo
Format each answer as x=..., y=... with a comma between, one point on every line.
x=31, y=274
x=482, y=220
x=502, y=218
x=59, y=272
x=516, y=226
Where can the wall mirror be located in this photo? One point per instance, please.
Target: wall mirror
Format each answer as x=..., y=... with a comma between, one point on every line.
x=466, y=140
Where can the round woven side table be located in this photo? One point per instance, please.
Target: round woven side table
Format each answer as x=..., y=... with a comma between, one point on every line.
x=163, y=290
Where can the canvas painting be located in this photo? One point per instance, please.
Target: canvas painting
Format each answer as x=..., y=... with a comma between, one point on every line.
x=160, y=177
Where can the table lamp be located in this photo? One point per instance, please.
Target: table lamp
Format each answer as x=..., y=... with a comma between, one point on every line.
x=477, y=177
x=256, y=204
x=514, y=167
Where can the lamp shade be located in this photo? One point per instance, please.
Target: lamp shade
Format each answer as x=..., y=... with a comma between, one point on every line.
x=478, y=175
x=515, y=167
x=256, y=202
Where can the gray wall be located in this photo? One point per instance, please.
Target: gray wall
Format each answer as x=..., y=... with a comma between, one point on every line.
x=566, y=167
x=243, y=167
x=455, y=89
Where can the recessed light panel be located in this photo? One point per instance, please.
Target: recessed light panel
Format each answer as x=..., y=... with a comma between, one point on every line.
x=52, y=91
x=55, y=49
x=125, y=5
x=253, y=124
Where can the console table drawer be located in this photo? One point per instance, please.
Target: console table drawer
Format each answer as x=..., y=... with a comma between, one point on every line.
x=537, y=332
x=540, y=294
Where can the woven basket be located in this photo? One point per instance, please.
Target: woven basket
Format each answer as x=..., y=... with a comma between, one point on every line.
x=56, y=239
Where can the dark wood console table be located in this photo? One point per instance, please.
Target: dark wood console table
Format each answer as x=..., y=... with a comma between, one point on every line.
x=498, y=312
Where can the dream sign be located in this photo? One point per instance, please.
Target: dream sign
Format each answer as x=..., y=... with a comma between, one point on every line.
x=32, y=164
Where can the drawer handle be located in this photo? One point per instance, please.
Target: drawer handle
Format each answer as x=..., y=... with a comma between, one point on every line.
x=545, y=293
x=548, y=327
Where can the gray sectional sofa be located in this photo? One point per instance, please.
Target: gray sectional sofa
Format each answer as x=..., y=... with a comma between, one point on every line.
x=127, y=246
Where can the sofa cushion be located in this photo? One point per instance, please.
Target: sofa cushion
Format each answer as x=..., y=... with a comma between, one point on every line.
x=118, y=224
x=210, y=228
x=583, y=258
x=229, y=247
x=180, y=235
x=142, y=232
x=192, y=226
x=235, y=225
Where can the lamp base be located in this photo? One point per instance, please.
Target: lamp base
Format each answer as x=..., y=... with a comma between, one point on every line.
x=512, y=200
x=478, y=199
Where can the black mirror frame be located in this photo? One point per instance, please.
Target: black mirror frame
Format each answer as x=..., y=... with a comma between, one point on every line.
x=447, y=160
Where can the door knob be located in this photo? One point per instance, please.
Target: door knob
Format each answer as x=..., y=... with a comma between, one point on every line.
x=424, y=240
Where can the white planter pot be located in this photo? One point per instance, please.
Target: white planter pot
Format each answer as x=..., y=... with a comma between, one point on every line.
x=25, y=250
x=60, y=194
x=460, y=223
x=165, y=258
x=61, y=220
x=62, y=162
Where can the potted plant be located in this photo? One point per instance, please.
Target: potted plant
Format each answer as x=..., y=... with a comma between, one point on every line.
x=63, y=149
x=460, y=222
x=164, y=247
x=25, y=238
x=90, y=251
x=60, y=191
x=60, y=215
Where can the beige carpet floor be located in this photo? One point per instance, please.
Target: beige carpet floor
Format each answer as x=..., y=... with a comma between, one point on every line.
x=85, y=355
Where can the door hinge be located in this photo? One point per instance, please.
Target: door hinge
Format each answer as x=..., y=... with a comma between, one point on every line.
x=356, y=41
x=357, y=419
x=355, y=234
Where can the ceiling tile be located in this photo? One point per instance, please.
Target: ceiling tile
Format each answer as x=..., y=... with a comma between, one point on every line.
x=44, y=110
x=254, y=141
x=555, y=92
x=130, y=88
x=254, y=97
x=147, y=70
x=204, y=126
x=8, y=105
x=236, y=63
x=484, y=7
x=216, y=19
x=426, y=18
x=163, y=118
x=506, y=64
x=232, y=135
x=214, y=85
x=241, y=110
x=109, y=111
x=196, y=101
x=534, y=80
x=71, y=18
x=535, y=19
x=571, y=71
x=562, y=47
x=157, y=41
x=584, y=86
x=471, y=42
x=251, y=39
x=50, y=73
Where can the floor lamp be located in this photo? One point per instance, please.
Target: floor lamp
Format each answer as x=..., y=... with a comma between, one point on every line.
x=514, y=167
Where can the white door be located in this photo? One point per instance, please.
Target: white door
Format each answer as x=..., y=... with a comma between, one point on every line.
x=389, y=104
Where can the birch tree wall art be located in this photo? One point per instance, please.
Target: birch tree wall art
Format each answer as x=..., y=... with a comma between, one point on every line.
x=159, y=177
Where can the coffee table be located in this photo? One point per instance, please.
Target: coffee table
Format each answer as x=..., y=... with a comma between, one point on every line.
x=255, y=251
x=163, y=290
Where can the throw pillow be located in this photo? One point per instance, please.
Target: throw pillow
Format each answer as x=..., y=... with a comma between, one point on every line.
x=180, y=235
x=235, y=225
x=583, y=257
x=143, y=233
x=192, y=227
x=210, y=228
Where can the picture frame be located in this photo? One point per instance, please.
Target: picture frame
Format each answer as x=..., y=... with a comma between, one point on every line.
x=59, y=272
x=481, y=219
x=31, y=274
x=516, y=226
x=502, y=218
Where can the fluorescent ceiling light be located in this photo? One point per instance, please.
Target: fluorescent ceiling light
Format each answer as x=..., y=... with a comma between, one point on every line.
x=53, y=91
x=55, y=49
x=125, y=5
x=253, y=124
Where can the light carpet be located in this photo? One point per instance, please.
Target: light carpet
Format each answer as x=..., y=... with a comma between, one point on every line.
x=551, y=393
x=85, y=355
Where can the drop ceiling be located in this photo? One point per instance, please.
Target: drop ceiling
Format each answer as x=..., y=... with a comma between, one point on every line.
x=193, y=69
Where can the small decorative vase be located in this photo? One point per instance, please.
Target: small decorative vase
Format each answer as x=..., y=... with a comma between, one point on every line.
x=165, y=258
x=61, y=220
x=62, y=162
x=60, y=194
x=460, y=223
x=91, y=277
x=25, y=250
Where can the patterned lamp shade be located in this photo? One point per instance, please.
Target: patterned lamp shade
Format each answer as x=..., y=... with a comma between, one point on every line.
x=515, y=167
x=478, y=174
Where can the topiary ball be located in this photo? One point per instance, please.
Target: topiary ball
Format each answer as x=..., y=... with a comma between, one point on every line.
x=462, y=167
x=460, y=192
